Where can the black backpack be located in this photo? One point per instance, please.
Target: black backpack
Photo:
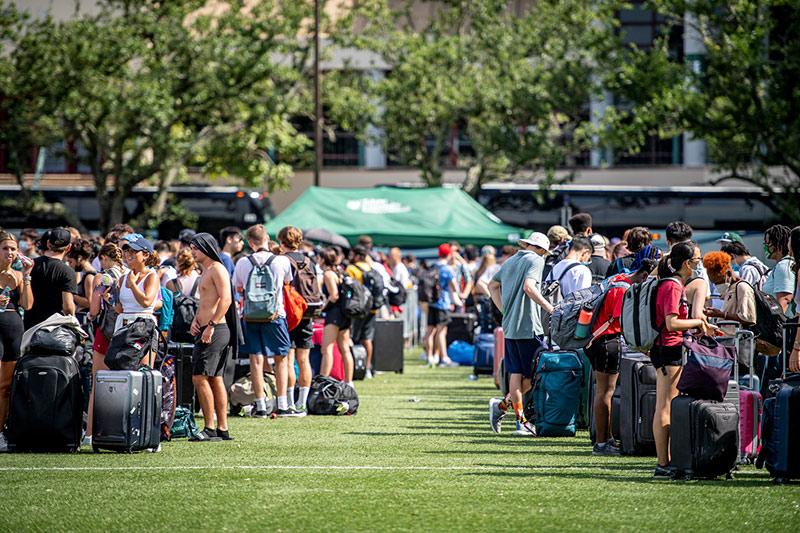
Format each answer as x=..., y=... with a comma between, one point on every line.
x=330, y=396
x=355, y=298
x=185, y=309
x=396, y=295
x=373, y=281
x=430, y=288
x=770, y=319
x=553, y=258
x=130, y=344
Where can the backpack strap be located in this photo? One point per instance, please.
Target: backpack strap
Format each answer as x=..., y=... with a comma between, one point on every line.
x=194, y=286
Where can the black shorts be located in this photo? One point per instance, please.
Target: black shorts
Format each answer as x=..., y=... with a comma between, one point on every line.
x=11, y=329
x=438, y=317
x=363, y=329
x=302, y=334
x=334, y=316
x=662, y=356
x=605, y=353
x=209, y=359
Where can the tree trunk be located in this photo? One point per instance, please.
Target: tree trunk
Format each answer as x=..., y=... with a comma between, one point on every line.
x=116, y=214
x=165, y=181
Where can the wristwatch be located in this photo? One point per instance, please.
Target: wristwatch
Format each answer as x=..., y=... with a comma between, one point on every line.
x=211, y=324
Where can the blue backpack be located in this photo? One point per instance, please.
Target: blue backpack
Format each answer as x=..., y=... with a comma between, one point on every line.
x=167, y=312
x=261, y=293
x=555, y=397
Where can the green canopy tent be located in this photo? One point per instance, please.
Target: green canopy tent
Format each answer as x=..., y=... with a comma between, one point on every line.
x=397, y=217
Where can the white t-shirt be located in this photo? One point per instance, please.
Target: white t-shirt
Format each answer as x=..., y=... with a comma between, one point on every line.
x=401, y=275
x=579, y=277
x=489, y=273
x=168, y=273
x=281, y=269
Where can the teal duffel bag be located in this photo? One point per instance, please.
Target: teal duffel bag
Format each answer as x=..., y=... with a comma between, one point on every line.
x=555, y=396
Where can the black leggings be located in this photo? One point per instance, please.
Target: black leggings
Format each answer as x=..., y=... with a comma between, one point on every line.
x=11, y=329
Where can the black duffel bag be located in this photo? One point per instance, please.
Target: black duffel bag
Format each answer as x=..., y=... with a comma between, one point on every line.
x=330, y=396
x=60, y=340
x=130, y=344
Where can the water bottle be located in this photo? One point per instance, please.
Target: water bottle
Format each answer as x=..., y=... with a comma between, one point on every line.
x=5, y=294
x=584, y=322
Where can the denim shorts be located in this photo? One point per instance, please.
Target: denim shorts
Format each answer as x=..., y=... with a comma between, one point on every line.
x=267, y=338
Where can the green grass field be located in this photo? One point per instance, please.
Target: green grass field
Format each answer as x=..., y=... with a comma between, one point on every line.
x=418, y=456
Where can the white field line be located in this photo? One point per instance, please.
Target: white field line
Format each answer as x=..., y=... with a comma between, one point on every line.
x=334, y=468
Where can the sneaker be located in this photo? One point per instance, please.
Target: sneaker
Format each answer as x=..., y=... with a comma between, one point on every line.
x=368, y=375
x=87, y=440
x=300, y=412
x=605, y=449
x=662, y=472
x=259, y=413
x=283, y=413
x=496, y=414
x=525, y=429
x=448, y=364
x=207, y=435
x=3, y=443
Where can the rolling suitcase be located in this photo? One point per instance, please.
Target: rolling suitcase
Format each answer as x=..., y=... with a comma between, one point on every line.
x=46, y=406
x=127, y=410
x=315, y=355
x=637, y=404
x=704, y=438
x=387, y=355
x=461, y=327
x=359, y=362
x=553, y=402
x=483, y=356
x=751, y=404
x=184, y=388
x=780, y=430
x=499, y=353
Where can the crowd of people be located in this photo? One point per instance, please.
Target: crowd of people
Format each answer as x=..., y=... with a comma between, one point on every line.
x=717, y=284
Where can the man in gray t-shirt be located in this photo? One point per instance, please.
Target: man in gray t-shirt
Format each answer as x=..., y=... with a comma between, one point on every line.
x=515, y=291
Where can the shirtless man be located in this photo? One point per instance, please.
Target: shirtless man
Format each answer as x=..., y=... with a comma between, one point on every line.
x=212, y=338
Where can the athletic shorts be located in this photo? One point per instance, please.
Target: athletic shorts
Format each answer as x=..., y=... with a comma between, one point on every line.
x=334, y=316
x=662, y=356
x=302, y=334
x=101, y=342
x=438, y=317
x=363, y=329
x=11, y=329
x=209, y=359
x=520, y=354
x=267, y=339
x=605, y=353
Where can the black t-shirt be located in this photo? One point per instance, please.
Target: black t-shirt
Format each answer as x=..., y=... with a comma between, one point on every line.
x=599, y=267
x=49, y=278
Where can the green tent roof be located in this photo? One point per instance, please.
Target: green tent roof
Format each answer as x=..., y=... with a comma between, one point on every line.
x=399, y=217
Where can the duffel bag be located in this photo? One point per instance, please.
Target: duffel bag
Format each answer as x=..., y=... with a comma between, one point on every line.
x=130, y=344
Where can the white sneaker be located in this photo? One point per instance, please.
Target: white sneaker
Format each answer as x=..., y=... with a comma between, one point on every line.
x=87, y=440
x=3, y=443
x=525, y=430
x=368, y=375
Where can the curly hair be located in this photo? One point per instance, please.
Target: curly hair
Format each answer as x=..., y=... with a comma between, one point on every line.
x=637, y=239
x=717, y=264
x=112, y=251
x=185, y=262
x=290, y=237
x=81, y=249
x=778, y=237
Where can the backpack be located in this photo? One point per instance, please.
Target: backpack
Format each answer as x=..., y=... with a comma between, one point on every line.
x=564, y=320
x=294, y=305
x=555, y=257
x=551, y=290
x=329, y=396
x=430, y=288
x=307, y=285
x=166, y=314
x=396, y=294
x=130, y=344
x=355, y=299
x=184, y=310
x=638, y=317
x=373, y=281
x=242, y=392
x=261, y=292
x=184, y=425
x=770, y=321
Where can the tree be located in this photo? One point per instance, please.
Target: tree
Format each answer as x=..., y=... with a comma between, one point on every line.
x=743, y=101
x=519, y=82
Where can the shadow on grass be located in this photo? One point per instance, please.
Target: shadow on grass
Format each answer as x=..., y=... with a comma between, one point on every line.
x=646, y=476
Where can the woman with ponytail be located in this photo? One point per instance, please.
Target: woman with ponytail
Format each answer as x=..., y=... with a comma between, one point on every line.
x=672, y=320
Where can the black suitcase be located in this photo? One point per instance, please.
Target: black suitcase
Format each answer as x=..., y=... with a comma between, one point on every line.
x=637, y=404
x=387, y=353
x=127, y=410
x=461, y=327
x=184, y=388
x=359, y=362
x=46, y=408
x=704, y=438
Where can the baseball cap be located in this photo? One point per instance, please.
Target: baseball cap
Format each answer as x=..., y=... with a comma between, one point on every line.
x=137, y=242
x=558, y=234
x=598, y=242
x=186, y=235
x=445, y=249
x=58, y=237
x=731, y=236
x=537, y=239
x=488, y=250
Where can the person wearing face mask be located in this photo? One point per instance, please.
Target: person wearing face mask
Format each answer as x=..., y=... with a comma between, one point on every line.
x=738, y=296
x=573, y=272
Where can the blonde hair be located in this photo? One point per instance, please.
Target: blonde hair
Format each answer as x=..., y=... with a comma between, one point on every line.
x=185, y=261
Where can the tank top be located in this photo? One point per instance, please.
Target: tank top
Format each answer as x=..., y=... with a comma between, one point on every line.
x=128, y=300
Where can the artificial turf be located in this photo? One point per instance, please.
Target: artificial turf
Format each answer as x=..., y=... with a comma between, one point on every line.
x=418, y=456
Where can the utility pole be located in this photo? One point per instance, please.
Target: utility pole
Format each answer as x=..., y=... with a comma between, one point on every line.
x=317, y=98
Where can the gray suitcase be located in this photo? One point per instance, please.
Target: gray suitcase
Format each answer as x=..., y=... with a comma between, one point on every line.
x=127, y=410
x=637, y=381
